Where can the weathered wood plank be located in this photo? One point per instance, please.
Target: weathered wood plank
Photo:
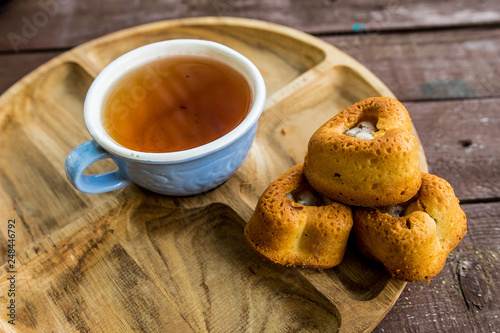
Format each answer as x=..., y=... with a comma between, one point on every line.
x=464, y=296
x=15, y=66
x=461, y=140
x=35, y=24
x=431, y=65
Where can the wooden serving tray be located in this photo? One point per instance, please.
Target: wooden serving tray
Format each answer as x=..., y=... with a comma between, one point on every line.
x=132, y=260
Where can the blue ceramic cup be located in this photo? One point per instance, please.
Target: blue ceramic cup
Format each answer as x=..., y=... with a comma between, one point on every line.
x=180, y=173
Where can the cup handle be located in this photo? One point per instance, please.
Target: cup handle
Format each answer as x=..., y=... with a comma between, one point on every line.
x=80, y=159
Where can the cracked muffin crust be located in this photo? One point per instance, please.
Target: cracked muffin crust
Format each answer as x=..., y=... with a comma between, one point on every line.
x=365, y=169
x=293, y=225
x=415, y=245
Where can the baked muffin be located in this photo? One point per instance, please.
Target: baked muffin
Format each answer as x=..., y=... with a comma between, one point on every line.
x=413, y=240
x=293, y=225
x=366, y=155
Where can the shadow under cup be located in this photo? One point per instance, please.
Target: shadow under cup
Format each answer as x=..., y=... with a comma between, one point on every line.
x=181, y=173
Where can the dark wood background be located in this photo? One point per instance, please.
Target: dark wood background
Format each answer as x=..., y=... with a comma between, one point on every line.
x=442, y=60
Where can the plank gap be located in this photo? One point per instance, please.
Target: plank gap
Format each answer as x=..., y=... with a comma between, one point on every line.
x=417, y=29
x=447, y=99
x=479, y=201
x=35, y=51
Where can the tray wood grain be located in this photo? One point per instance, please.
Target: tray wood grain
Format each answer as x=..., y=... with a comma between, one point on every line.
x=132, y=260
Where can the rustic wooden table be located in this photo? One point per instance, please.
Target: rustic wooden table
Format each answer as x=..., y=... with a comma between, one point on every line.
x=440, y=58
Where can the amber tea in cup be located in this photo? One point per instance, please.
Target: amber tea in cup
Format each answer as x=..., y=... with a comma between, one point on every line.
x=176, y=103
x=177, y=117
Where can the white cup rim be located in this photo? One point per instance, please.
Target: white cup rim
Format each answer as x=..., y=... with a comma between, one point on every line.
x=97, y=94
